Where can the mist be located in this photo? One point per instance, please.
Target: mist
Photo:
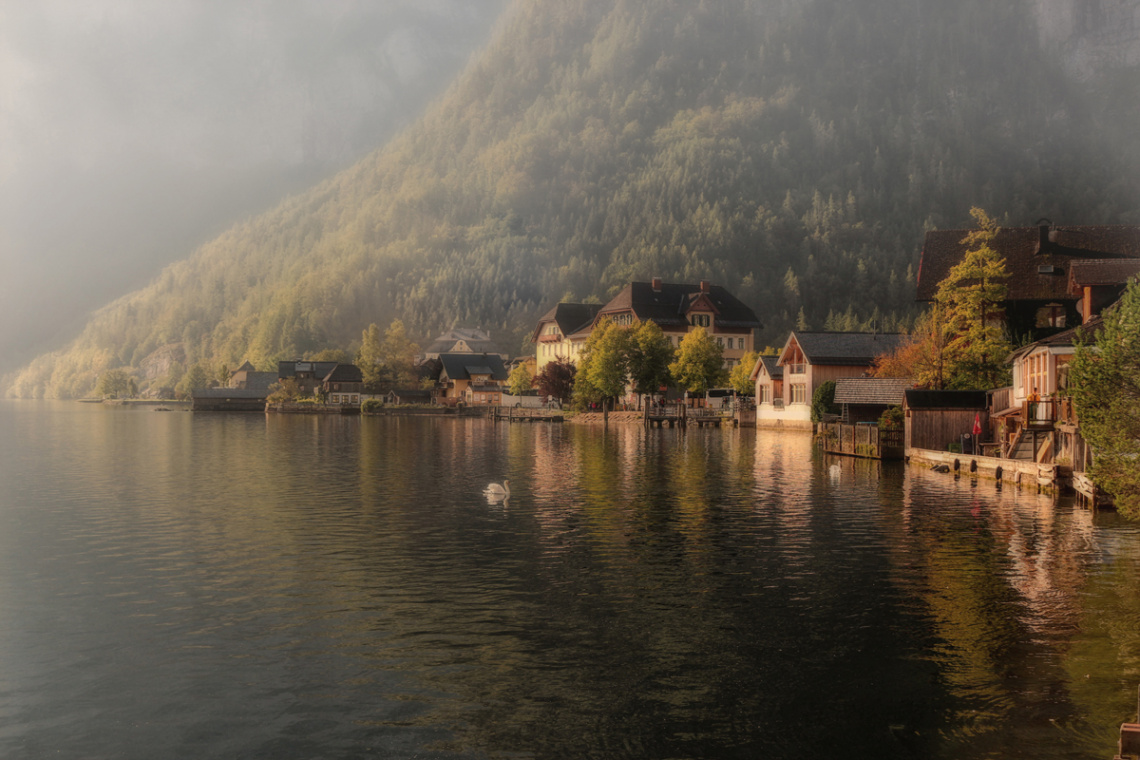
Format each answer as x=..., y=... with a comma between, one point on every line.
x=133, y=131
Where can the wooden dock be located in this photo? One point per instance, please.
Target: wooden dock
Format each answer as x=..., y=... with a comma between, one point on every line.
x=680, y=416
x=512, y=414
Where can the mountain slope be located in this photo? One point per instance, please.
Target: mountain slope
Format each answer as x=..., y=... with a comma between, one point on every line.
x=793, y=150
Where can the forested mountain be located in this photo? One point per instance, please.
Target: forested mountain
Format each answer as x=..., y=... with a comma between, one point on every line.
x=792, y=150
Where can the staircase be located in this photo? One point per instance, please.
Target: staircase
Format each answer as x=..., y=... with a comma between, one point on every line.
x=1028, y=443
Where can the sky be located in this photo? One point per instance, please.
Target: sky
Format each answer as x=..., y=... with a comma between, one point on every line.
x=132, y=131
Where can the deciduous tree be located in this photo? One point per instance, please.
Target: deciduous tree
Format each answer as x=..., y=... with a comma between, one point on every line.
x=602, y=368
x=556, y=380
x=520, y=380
x=649, y=352
x=740, y=379
x=699, y=364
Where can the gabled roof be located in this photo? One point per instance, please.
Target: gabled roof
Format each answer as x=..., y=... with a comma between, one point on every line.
x=1090, y=329
x=886, y=391
x=462, y=366
x=771, y=365
x=843, y=348
x=477, y=340
x=245, y=367
x=344, y=373
x=570, y=317
x=1101, y=272
x=668, y=304
x=1026, y=251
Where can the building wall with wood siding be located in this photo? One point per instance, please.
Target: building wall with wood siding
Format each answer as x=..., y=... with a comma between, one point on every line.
x=937, y=428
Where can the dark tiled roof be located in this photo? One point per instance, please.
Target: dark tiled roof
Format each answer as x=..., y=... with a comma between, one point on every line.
x=1025, y=252
x=667, y=305
x=846, y=348
x=1101, y=272
x=293, y=366
x=773, y=366
x=946, y=399
x=345, y=373
x=260, y=379
x=462, y=366
x=570, y=317
x=872, y=390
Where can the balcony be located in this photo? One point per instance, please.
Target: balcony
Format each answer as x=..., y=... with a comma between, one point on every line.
x=795, y=369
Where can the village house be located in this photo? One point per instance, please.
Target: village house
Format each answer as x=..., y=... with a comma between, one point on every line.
x=677, y=308
x=1044, y=294
x=807, y=360
x=343, y=385
x=472, y=378
x=561, y=333
x=344, y=381
x=462, y=340
x=768, y=377
x=246, y=377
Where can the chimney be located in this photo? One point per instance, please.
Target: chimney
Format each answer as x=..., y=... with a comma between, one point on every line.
x=706, y=286
x=1043, y=243
x=656, y=284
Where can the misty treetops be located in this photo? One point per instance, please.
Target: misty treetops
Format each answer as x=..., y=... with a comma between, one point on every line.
x=793, y=151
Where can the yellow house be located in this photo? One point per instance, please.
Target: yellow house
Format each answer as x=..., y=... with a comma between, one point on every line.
x=676, y=308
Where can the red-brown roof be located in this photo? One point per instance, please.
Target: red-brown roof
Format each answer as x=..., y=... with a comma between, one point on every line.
x=1037, y=259
x=1101, y=272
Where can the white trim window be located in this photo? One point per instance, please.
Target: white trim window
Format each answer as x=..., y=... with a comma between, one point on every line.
x=799, y=393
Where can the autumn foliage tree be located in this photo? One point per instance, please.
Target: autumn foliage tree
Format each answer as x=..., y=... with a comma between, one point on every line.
x=556, y=380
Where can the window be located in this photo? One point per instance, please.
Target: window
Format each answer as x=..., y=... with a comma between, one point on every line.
x=700, y=320
x=720, y=342
x=765, y=394
x=799, y=394
x=730, y=342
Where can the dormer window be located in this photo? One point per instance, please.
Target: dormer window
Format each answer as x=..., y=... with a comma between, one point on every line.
x=700, y=320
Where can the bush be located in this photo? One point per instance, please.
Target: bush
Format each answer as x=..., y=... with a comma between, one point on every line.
x=891, y=419
x=823, y=401
x=371, y=405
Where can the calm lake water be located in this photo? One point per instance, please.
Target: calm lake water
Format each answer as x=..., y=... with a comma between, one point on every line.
x=248, y=586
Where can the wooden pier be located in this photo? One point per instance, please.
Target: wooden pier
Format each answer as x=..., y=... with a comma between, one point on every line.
x=681, y=416
x=512, y=414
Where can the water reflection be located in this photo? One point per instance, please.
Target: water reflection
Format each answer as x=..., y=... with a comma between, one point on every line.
x=300, y=586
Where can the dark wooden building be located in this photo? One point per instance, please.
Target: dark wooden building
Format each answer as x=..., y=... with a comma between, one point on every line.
x=936, y=419
x=1041, y=299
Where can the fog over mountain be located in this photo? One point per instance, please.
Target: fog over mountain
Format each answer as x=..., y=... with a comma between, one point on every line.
x=132, y=131
x=793, y=150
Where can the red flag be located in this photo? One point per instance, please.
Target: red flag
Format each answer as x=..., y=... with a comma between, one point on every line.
x=977, y=424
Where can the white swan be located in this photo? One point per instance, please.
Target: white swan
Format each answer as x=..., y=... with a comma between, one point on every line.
x=496, y=492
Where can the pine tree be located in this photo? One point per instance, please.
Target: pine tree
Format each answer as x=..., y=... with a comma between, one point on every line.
x=1104, y=382
x=970, y=298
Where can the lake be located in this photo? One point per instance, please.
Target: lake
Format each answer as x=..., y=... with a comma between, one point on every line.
x=197, y=585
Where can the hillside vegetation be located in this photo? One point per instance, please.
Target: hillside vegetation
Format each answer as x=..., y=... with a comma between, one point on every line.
x=793, y=151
